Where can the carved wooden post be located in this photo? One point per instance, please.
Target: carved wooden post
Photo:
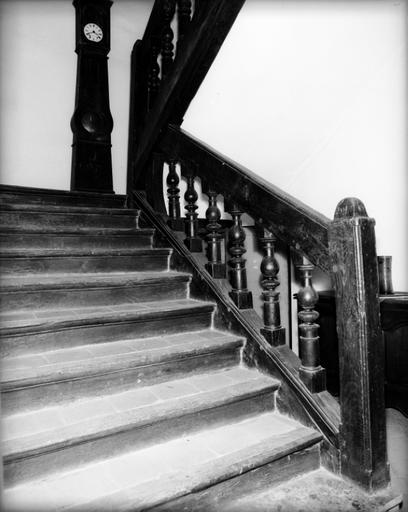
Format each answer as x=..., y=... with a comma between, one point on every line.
x=192, y=242
x=215, y=265
x=361, y=350
x=311, y=373
x=153, y=79
x=184, y=15
x=273, y=332
x=173, y=192
x=236, y=247
x=167, y=37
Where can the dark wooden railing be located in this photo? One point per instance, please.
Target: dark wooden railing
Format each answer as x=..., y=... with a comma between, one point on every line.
x=162, y=88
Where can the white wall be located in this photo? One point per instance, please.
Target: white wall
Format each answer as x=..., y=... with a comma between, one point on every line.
x=311, y=95
x=37, y=88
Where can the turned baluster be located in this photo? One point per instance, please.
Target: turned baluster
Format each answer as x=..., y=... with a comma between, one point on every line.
x=173, y=192
x=167, y=37
x=215, y=265
x=153, y=79
x=237, y=274
x=273, y=332
x=192, y=241
x=311, y=373
x=184, y=16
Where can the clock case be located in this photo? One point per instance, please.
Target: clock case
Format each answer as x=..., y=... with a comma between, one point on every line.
x=92, y=121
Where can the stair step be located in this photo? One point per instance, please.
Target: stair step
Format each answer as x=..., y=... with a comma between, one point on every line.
x=56, y=438
x=82, y=260
x=34, y=217
x=38, y=331
x=147, y=477
x=51, y=291
x=16, y=194
x=54, y=377
x=85, y=238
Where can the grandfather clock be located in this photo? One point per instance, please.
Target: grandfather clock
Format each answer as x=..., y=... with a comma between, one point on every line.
x=92, y=122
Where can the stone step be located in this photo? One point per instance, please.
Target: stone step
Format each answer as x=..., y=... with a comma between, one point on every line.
x=53, y=291
x=82, y=238
x=32, y=217
x=56, y=377
x=23, y=195
x=57, y=438
x=156, y=474
x=39, y=331
x=30, y=261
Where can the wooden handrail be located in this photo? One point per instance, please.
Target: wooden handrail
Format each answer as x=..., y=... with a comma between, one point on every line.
x=294, y=222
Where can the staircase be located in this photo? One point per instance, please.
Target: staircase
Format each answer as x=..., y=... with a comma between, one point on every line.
x=117, y=392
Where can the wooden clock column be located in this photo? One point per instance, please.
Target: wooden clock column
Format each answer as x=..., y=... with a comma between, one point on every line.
x=92, y=122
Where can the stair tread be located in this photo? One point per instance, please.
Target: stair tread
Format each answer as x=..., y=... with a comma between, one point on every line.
x=62, y=364
x=55, y=253
x=12, y=323
x=13, y=282
x=53, y=427
x=65, y=230
x=148, y=476
x=57, y=209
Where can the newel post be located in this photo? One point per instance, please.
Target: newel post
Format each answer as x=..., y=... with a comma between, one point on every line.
x=361, y=351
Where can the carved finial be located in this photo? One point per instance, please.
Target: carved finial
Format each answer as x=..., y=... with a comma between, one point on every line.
x=349, y=208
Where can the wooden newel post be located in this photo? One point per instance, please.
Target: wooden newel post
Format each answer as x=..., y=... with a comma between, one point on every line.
x=361, y=351
x=272, y=331
x=312, y=374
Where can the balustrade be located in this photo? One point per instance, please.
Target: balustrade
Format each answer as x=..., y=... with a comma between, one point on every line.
x=173, y=193
x=311, y=373
x=153, y=77
x=184, y=16
x=167, y=37
x=273, y=332
x=215, y=265
x=236, y=248
x=193, y=242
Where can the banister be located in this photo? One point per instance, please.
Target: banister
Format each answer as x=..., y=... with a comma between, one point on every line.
x=295, y=223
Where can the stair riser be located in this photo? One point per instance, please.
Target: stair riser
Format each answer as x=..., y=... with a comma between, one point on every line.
x=40, y=220
x=77, y=335
x=66, y=264
x=219, y=497
x=67, y=242
x=123, y=441
x=26, y=195
x=88, y=297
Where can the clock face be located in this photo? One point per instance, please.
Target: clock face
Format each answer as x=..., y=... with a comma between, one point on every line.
x=93, y=32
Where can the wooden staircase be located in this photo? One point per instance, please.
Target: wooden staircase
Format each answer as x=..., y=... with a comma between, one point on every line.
x=117, y=391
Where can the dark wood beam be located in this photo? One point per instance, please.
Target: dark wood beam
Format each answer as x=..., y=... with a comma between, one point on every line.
x=208, y=29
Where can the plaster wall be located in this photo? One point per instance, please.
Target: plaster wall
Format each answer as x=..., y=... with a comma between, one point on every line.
x=311, y=95
x=37, y=88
